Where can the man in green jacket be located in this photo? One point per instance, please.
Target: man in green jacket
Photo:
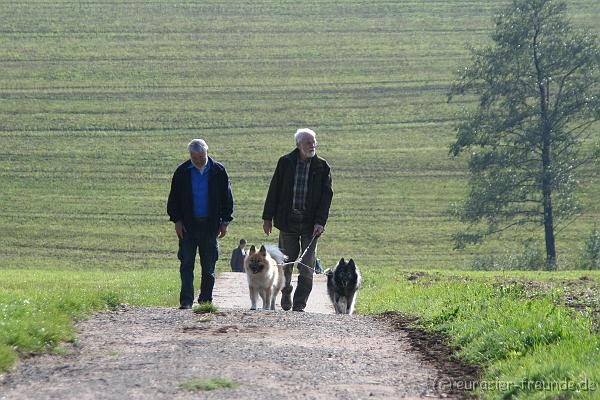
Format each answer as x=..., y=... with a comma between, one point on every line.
x=298, y=204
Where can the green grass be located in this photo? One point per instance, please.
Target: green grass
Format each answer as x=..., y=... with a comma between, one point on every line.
x=205, y=308
x=195, y=385
x=523, y=342
x=37, y=308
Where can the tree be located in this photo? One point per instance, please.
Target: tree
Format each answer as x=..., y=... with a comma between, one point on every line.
x=538, y=91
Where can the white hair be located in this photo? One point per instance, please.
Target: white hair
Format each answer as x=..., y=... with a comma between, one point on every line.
x=301, y=133
x=197, y=146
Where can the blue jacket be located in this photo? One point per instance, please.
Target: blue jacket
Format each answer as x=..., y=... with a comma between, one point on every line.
x=180, y=205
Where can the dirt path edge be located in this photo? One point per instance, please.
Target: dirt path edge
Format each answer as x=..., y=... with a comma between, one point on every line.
x=434, y=348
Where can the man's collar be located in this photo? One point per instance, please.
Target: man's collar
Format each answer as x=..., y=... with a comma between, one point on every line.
x=295, y=155
x=203, y=169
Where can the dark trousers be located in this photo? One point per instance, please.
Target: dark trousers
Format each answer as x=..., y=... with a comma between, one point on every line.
x=293, y=244
x=205, y=241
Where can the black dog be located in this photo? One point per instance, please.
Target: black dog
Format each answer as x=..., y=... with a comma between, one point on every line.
x=343, y=284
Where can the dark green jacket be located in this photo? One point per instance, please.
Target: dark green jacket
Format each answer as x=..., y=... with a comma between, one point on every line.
x=278, y=203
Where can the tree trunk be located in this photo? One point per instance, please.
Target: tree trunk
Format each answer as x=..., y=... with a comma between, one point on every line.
x=548, y=217
x=546, y=130
x=547, y=192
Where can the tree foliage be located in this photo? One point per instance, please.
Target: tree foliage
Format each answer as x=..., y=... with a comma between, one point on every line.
x=538, y=91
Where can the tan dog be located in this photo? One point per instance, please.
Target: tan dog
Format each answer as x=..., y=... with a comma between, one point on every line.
x=265, y=277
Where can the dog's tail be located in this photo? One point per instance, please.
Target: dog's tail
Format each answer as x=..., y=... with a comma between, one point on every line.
x=276, y=253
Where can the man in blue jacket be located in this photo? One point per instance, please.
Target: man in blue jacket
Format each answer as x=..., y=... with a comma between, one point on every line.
x=201, y=206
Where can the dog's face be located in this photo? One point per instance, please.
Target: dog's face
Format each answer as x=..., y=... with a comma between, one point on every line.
x=257, y=261
x=345, y=273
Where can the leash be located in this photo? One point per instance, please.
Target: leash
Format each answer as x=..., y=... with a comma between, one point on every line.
x=299, y=259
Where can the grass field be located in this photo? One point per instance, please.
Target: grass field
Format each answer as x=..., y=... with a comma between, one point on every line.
x=98, y=101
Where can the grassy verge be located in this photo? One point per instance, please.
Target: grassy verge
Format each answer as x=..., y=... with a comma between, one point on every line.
x=530, y=347
x=37, y=308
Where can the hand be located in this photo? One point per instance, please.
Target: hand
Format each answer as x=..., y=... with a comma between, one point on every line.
x=267, y=226
x=179, y=229
x=222, y=230
x=318, y=230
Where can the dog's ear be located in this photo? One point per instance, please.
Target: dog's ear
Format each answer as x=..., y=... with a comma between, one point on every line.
x=351, y=263
x=342, y=261
x=252, y=250
x=263, y=251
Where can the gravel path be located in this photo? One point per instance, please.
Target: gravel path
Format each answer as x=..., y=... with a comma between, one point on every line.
x=231, y=291
x=146, y=353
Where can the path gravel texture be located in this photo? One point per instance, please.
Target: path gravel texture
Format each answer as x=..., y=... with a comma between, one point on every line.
x=146, y=353
x=231, y=291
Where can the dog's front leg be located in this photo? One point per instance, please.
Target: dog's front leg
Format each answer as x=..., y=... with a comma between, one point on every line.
x=262, y=294
x=341, y=304
x=267, y=299
x=336, y=304
x=351, y=303
x=253, y=297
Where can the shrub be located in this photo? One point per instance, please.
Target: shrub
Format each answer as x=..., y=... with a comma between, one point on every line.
x=532, y=258
x=590, y=257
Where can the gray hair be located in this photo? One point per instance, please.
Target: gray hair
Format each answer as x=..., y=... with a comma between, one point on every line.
x=197, y=146
x=301, y=133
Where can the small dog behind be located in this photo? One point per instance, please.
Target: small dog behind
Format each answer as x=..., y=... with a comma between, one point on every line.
x=265, y=275
x=343, y=284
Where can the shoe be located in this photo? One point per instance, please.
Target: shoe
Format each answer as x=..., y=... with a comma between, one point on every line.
x=298, y=309
x=286, y=298
x=185, y=307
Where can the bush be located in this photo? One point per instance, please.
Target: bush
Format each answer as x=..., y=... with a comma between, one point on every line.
x=590, y=257
x=530, y=259
x=488, y=263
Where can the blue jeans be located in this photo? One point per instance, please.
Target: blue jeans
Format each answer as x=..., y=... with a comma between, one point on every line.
x=203, y=239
